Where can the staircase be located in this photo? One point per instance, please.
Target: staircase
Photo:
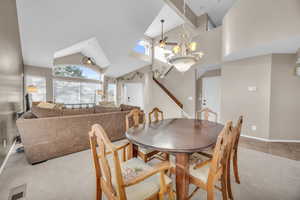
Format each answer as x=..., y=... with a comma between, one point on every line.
x=172, y=97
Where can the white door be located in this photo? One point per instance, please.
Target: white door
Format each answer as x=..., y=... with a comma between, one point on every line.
x=134, y=94
x=211, y=94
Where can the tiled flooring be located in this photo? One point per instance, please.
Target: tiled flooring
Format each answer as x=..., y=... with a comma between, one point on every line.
x=264, y=176
x=283, y=149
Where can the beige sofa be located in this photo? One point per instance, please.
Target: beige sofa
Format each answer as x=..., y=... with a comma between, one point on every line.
x=50, y=137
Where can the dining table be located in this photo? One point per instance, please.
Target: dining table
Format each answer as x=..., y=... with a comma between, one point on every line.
x=180, y=137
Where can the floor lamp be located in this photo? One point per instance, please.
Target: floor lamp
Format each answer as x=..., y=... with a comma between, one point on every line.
x=28, y=97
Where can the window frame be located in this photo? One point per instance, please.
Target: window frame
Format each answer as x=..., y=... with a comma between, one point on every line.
x=79, y=80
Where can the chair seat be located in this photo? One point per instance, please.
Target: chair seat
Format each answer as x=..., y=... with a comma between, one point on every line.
x=200, y=173
x=144, y=189
x=121, y=142
x=145, y=151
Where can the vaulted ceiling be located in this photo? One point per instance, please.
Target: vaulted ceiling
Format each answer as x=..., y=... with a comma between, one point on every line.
x=48, y=26
x=105, y=30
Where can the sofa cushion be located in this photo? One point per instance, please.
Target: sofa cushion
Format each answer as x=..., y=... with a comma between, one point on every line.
x=28, y=115
x=107, y=104
x=77, y=111
x=128, y=107
x=44, y=112
x=46, y=105
x=103, y=109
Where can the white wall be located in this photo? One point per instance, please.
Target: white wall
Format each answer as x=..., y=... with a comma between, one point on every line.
x=236, y=100
x=260, y=27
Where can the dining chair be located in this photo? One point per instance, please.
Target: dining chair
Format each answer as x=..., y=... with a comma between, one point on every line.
x=132, y=179
x=207, y=112
x=207, y=173
x=234, y=155
x=156, y=113
x=134, y=119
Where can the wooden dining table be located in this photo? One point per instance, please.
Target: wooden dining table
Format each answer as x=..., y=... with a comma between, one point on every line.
x=180, y=137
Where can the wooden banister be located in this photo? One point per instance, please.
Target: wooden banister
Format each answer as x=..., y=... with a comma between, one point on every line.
x=168, y=93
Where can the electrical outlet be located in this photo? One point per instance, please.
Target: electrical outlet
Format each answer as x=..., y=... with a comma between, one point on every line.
x=253, y=127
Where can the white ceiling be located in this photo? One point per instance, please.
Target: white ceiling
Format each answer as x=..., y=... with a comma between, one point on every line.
x=216, y=9
x=48, y=26
x=171, y=18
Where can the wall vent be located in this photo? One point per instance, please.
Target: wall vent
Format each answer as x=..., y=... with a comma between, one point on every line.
x=17, y=193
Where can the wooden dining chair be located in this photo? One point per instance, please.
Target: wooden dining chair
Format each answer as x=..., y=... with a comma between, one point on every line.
x=236, y=132
x=234, y=155
x=157, y=114
x=134, y=119
x=206, y=174
x=207, y=112
x=132, y=179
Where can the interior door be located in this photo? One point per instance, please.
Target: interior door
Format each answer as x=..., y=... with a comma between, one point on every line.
x=211, y=94
x=134, y=94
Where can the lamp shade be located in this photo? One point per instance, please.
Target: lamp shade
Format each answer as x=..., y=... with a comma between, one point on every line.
x=31, y=89
x=99, y=92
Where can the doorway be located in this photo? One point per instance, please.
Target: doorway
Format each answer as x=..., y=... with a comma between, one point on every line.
x=134, y=94
x=211, y=94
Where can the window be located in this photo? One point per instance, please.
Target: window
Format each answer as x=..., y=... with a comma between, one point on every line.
x=160, y=54
x=143, y=47
x=40, y=84
x=76, y=84
x=69, y=92
x=112, y=92
x=74, y=71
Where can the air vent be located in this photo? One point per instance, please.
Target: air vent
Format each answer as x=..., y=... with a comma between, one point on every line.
x=18, y=193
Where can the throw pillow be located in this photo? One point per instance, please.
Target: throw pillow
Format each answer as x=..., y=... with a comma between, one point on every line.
x=128, y=107
x=46, y=105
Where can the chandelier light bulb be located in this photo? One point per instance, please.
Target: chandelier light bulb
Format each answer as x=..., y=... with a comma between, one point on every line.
x=176, y=49
x=193, y=46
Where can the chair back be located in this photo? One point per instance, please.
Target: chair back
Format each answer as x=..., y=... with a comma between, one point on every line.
x=134, y=118
x=98, y=137
x=206, y=112
x=237, y=134
x=221, y=151
x=156, y=113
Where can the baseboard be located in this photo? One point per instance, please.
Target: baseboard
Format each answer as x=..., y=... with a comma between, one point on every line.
x=269, y=140
x=7, y=156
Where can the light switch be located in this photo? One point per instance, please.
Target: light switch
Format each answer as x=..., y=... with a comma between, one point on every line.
x=252, y=88
x=253, y=128
x=190, y=98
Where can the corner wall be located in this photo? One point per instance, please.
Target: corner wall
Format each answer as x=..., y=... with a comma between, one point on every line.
x=11, y=75
x=285, y=98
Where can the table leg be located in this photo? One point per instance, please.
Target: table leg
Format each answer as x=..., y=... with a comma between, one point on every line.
x=182, y=176
x=132, y=151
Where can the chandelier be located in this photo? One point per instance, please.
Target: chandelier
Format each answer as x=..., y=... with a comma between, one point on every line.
x=184, y=54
